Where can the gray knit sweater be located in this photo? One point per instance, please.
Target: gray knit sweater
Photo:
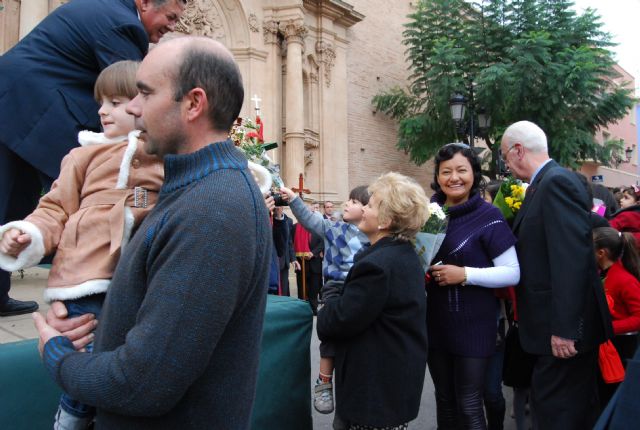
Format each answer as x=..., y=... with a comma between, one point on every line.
x=178, y=342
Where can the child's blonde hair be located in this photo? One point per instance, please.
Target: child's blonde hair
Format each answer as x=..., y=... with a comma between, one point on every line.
x=402, y=202
x=118, y=79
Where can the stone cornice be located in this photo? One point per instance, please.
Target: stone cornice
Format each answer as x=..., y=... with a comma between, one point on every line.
x=338, y=11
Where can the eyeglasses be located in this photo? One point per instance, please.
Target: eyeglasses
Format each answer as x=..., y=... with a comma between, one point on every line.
x=506, y=154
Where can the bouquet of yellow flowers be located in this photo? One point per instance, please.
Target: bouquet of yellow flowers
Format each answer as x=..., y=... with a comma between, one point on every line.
x=510, y=197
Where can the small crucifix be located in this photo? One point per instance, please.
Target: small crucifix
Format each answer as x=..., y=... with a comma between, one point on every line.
x=301, y=189
x=256, y=100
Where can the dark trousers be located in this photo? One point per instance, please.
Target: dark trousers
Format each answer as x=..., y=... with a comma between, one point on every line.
x=312, y=285
x=284, y=282
x=459, y=384
x=564, y=392
x=20, y=187
x=494, y=403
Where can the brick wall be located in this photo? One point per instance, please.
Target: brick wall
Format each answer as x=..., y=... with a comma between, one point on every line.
x=376, y=62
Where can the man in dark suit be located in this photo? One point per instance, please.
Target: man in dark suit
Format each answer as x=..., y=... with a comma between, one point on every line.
x=46, y=94
x=562, y=311
x=283, y=228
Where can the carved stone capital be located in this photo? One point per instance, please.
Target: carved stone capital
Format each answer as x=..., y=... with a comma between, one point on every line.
x=270, y=32
x=327, y=55
x=294, y=30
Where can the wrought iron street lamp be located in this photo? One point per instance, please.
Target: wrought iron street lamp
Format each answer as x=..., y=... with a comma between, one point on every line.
x=459, y=104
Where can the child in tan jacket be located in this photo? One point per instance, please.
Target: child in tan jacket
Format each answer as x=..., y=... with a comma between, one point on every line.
x=105, y=188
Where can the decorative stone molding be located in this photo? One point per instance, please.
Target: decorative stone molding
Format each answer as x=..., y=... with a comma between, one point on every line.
x=327, y=56
x=313, y=77
x=270, y=32
x=311, y=144
x=202, y=18
x=253, y=23
x=294, y=30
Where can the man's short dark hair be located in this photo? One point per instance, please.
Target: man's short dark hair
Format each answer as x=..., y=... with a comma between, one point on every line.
x=361, y=194
x=219, y=76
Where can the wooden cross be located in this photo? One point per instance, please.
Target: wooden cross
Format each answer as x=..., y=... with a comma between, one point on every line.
x=256, y=100
x=301, y=189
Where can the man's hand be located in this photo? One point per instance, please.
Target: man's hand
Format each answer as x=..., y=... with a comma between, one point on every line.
x=296, y=266
x=563, y=348
x=14, y=242
x=79, y=329
x=269, y=202
x=45, y=330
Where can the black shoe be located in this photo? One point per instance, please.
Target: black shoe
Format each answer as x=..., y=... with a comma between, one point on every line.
x=17, y=307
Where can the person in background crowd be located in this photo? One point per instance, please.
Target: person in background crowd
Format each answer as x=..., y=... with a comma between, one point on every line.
x=55, y=68
x=603, y=194
x=378, y=322
x=477, y=255
x=562, y=314
x=283, y=225
x=327, y=208
x=617, y=257
x=627, y=219
x=179, y=336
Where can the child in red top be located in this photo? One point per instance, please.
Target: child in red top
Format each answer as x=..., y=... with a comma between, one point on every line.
x=617, y=256
x=628, y=217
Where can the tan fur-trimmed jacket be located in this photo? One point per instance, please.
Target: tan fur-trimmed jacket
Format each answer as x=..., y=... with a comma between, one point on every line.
x=105, y=188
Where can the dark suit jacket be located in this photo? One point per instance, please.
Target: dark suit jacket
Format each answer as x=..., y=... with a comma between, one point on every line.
x=378, y=326
x=316, y=244
x=283, y=240
x=47, y=79
x=559, y=292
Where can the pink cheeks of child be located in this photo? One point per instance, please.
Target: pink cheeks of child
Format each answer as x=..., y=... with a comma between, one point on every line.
x=115, y=120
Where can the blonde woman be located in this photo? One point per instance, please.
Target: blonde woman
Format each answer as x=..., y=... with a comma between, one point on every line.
x=378, y=323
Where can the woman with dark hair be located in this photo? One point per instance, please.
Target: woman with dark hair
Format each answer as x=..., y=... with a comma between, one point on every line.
x=627, y=219
x=477, y=254
x=620, y=269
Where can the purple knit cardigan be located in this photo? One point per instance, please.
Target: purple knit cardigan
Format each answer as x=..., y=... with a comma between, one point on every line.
x=462, y=320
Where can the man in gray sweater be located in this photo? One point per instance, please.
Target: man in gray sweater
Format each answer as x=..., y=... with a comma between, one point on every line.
x=179, y=337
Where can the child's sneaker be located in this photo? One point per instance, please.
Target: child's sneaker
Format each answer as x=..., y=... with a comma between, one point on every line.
x=323, y=398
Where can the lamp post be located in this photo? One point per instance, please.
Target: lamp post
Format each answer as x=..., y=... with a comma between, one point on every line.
x=459, y=104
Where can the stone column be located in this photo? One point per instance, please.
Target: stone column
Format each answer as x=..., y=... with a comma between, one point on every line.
x=294, y=32
x=31, y=13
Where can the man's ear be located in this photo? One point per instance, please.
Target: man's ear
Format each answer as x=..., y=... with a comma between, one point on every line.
x=196, y=103
x=145, y=5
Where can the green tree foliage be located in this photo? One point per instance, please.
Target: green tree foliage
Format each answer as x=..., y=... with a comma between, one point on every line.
x=518, y=59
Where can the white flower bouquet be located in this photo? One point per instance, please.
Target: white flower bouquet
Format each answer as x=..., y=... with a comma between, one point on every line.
x=430, y=238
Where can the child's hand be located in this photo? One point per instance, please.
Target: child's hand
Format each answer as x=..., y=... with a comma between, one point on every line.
x=14, y=242
x=287, y=194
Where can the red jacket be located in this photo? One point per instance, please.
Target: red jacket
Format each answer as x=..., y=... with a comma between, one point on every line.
x=623, y=289
x=628, y=220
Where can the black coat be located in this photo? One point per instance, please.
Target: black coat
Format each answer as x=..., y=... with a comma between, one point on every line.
x=316, y=245
x=559, y=292
x=378, y=326
x=283, y=239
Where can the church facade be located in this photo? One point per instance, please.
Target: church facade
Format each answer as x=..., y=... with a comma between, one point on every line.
x=312, y=68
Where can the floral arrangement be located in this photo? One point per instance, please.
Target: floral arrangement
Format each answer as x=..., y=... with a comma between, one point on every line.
x=248, y=138
x=509, y=197
x=430, y=238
